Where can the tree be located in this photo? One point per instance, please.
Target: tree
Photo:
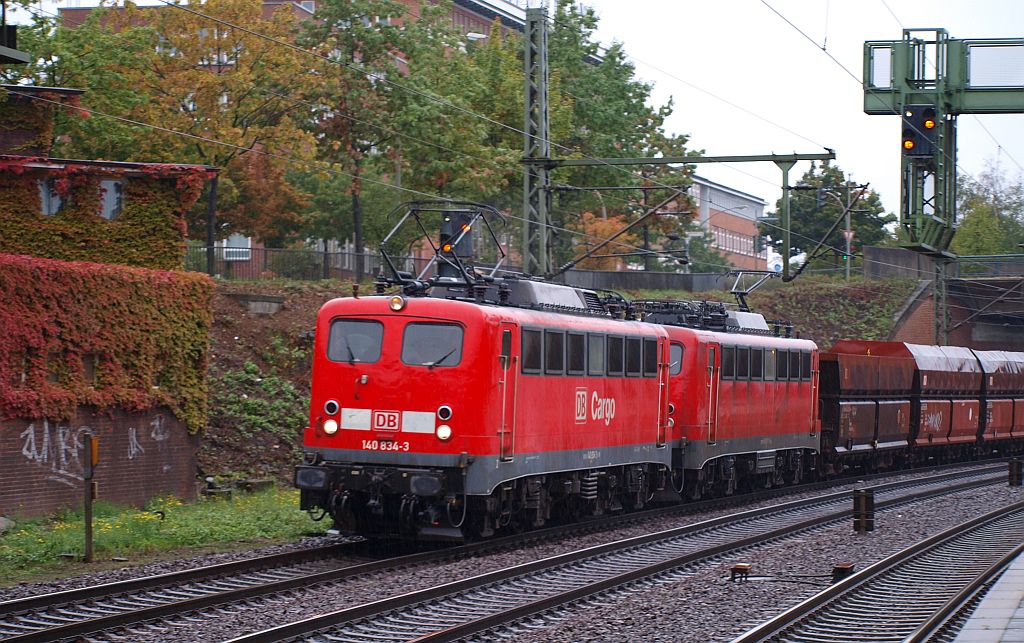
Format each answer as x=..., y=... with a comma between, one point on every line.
x=991, y=213
x=188, y=74
x=361, y=44
x=611, y=118
x=815, y=208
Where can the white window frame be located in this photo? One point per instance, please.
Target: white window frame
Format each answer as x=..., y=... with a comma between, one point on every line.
x=111, y=198
x=237, y=247
x=50, y=202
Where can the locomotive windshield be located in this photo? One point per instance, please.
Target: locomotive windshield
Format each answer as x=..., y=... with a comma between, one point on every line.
x=428, y=344
x=355, y=340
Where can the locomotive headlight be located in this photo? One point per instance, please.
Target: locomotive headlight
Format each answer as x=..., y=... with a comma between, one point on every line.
x=444, y=413
x=396, y=303
x=331, y=407
x=330, y=427
x=443, y=432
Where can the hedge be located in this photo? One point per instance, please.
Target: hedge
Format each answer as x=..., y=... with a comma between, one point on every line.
x=85, y=334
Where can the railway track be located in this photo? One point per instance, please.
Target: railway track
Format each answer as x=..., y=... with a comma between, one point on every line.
x=113, y=607
x=902, y=598
x=472, y=606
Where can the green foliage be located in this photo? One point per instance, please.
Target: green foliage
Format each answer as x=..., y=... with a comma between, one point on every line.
x=148, y=232
x=991, y=211
x=282, y=357
x=812, y=215
x=259, y=410
x=165, y=524
x=827, y=310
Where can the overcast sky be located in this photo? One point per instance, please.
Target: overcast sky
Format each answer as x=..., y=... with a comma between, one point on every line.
x=744, y=53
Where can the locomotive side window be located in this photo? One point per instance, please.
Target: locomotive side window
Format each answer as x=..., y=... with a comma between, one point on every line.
x=595, y=354
x=805, y=365
x=742, y=363
x=728, y=362
x=577, y=354
x=675, y=359
x=794, y=365
x=756, y=363
x=634, y=360
x=769, y=364
x=355, y=340
x=615, y=356
x=532, y=350
x=428, y=344
x=650, y=358
x=782, y=366
x=554, y=352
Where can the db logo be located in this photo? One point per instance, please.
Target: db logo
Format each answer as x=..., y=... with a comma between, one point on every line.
x=385, y=421
x=581, y=406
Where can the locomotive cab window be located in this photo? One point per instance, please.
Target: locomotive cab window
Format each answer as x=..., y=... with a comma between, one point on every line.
x=782, y=366
x=615, y=355
x=769, y=364
x=650, y=358
x=355, y=340
x=554, y=352
x=728, y=362
x=805, y=365
x=595, y=355
x=576, y=350
x=532, y=350
x=634, y=360
x=430, y=344
x=675, y=359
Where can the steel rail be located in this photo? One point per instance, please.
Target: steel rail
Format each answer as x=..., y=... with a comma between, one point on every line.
x=413, y=609
x=812, y=612
x=945, y=615
x=111, y=605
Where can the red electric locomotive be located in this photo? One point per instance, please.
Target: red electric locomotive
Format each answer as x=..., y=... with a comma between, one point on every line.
x=472, y=402
x=746, y=399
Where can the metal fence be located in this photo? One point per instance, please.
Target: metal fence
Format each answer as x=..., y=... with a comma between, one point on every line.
x=253, y=264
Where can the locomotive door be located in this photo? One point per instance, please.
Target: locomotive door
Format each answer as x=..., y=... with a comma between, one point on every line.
x=508, y=379
x=714, y=366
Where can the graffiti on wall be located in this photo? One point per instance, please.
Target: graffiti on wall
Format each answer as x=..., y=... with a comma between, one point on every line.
x=59, y=447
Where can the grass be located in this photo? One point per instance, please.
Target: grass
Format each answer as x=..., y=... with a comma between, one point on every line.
x=33, y=549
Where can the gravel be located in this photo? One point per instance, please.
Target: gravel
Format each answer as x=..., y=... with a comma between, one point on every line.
x=683, y=606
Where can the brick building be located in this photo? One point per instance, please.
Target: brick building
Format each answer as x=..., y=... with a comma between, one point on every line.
x=730, y=217
x=100, y=335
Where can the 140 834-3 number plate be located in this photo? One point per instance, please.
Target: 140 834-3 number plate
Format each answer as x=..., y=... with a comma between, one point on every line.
x=384, y=445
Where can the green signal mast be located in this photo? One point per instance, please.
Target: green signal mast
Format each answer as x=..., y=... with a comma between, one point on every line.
x=929, y=79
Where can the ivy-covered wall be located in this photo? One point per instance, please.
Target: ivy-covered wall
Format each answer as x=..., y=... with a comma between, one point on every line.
x=107, y=337
x=26, y=125
x=148, y=232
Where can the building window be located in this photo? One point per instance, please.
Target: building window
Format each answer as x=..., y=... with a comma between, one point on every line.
x=237, y=247
x=111, y=199
x=50, y=201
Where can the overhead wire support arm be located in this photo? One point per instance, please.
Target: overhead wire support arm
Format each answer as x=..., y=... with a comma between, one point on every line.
x=550, y=163
x=821, y=242
x=590, y=253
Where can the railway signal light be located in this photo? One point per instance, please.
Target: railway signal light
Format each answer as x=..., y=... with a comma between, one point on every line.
x=920, y=127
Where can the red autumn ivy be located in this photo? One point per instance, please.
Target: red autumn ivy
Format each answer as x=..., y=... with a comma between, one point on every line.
x=86, y=334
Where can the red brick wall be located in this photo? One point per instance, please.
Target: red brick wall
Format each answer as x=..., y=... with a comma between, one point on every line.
x=918, y=327
x=142, y=455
